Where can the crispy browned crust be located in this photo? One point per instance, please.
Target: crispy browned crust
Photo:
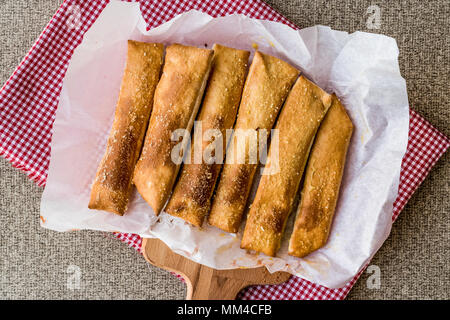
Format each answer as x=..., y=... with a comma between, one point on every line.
x=177, y=99
x=267, y=86
x=299, y=120
x=112, y=185
x=193, y=191
x=322, y=182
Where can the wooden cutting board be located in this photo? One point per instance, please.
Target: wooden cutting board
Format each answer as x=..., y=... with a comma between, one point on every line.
x=204, y=283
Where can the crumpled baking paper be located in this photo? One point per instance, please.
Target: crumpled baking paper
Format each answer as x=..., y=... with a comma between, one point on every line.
x=361, y=68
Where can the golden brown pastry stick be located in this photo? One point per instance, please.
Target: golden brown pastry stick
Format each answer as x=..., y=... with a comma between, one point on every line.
x=177, y=99
x=299, y=120
x=193, y=191
x=267, y=86
x=112, y=185
x=322, y=182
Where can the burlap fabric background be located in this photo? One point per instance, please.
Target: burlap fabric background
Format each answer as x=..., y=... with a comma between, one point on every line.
x=35, y=263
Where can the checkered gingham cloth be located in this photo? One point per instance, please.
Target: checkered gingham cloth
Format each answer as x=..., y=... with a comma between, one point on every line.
x=29, y=99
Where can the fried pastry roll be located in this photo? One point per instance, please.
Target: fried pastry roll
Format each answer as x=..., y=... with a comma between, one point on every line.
x=112, y=185
x=177, y=100
x=191, y=197
x=322, y=182
x=267, y=86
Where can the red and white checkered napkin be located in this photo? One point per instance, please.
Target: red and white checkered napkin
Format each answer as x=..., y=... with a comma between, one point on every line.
x=29, y=99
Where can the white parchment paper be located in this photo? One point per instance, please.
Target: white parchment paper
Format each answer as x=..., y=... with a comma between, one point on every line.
x=361, y=68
